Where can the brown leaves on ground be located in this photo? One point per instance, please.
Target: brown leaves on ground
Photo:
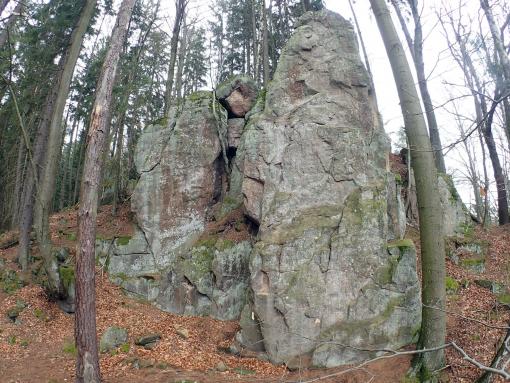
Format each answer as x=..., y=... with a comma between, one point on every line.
x=40, y=347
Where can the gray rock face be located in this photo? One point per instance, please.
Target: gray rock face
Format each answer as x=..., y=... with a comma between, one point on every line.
x=455, y=215
x=315, y=179
x=179, y=184
x=182, y=179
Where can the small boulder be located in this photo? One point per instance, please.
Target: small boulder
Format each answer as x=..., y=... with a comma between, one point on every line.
x=182, y=332
x=494, y=287
x=221, y=367
x=237, y=95
x=112, y=338
x=148, y=341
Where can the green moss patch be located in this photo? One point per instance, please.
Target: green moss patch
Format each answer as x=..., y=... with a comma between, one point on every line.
x=402, y=244
x=123, y=241
x=66, y=275
x=452, y=286
x=69, y=348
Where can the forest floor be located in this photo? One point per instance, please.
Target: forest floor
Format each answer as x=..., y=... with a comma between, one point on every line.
x=39, y=347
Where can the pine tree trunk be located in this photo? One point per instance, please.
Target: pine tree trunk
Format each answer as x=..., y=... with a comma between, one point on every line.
x=31, y=184
x=20, y=166
x=87, y=365
x=255, y=45
x=49, y=172
x=67, y=169
x=265, y=45
x=180, y=9
x=433, y=330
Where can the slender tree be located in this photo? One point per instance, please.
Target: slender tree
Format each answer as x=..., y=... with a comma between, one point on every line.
x=87, y=365
x=416, y=47
x=180, y=12
x=54, y=144
x=433, y=329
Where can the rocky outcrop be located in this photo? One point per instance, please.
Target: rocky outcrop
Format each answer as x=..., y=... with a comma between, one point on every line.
x=172, y=260
x=178, y=184
x=279, y=210
x=325, y=280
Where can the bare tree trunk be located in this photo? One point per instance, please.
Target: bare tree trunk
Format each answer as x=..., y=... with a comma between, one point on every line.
x=180, y=10
x=3, y=5
x=503, y=216
x=416, y=47
x=182, y=58
x=485, y=121
x=67, y=169
x=433, y=329
x=87, y=365
x=265, y=45
x=256, y=73
x=20, y=167
x=48, y=174
x=498, y=44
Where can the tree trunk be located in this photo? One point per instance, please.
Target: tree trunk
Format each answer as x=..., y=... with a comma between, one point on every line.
x=503, y=216
x=48, y=174
x=20, y=167
x=180, y=9
x=33, y=175
x=87, y=365
x=255, y=45
x=484, y=119
x=64, y=189
x=265, y=45
x=498, y=44
x=416, y=47
x=3, y=5
x=433, y=330
x=182, y=58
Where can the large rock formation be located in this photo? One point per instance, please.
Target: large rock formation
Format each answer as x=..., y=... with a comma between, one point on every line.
x=325, y=280
x=172, y=260
x=288, y=218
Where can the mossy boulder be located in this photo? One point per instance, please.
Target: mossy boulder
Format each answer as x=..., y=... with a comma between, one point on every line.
x=112, y=338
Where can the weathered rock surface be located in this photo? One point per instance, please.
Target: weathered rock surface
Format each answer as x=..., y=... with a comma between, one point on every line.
x=178, y=186
x=235, y=129
x=456, y=218
x=315, y=179
x=327, y=273
x=182, y=179
x=238, y=95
